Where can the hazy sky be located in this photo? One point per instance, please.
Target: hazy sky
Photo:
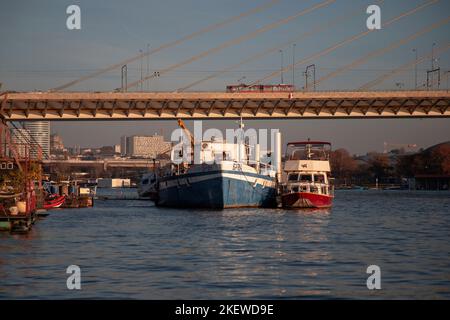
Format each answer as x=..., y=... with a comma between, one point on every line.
x=38, y=52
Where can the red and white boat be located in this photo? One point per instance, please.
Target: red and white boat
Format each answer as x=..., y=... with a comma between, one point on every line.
x=306, y=181
x=54, y=201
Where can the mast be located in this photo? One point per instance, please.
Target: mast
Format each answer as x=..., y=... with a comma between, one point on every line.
x=241, y=145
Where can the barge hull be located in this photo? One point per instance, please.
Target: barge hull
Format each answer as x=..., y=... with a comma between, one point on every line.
x=217, y=190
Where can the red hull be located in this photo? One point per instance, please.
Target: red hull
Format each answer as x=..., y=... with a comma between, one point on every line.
x=54, y=203
x=306, y=200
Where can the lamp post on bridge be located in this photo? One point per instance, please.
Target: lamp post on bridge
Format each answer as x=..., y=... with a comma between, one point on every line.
x=313, y=67
x=124, y=83
x=148, y=67
x=447, y=74
x=281, y=67
x=293, y=65
x=432, y=55
x=432, y=65
x=141, y=67
x=415, y=69
x=156, y=74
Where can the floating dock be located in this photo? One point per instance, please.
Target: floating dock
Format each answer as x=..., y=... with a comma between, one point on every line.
x=20, y=223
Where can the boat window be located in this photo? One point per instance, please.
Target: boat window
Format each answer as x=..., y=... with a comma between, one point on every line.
x=304, y=188
x=319, y=178
x=314, y=189
x=293, y=177
x=305, y=178
x=298, y=155
x=295, y=189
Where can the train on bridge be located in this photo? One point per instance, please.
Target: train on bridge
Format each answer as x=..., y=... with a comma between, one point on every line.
x=243, y=88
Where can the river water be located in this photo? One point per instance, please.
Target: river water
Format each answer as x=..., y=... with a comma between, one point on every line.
x=132, y=249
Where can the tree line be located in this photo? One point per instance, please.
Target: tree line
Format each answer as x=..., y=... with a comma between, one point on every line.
x=388, y=168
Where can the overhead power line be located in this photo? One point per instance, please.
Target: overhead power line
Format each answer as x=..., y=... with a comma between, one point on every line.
x=236, y=41
x=168, y=45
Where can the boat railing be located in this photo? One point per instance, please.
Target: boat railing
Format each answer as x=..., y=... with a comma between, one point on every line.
x=307, y=152
x=313, y=187
x=261, y=166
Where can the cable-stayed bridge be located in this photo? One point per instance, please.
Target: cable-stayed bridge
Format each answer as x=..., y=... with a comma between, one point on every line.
x=56, y=104
x=220, y=105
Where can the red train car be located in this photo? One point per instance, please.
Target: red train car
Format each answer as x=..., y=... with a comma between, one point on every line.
x=243, y=88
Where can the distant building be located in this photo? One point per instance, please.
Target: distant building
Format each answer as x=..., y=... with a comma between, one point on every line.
x=428, y=169
x=39, y=133
x=56, y=144
x=117, y=148
x=123, y=146
x=106, y=151
x=74, y=151
x=21, y=138
x=146, y=146
x=113, y=183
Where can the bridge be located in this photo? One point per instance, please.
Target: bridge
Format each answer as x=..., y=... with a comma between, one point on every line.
x=132, y=168
x=105, y=164
x=20, y=106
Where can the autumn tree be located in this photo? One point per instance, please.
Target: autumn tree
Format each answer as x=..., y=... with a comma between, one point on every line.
x=380, y=165
x=343, y=165
x=432, y=161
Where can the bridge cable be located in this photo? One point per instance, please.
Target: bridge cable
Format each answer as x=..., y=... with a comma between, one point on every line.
x=342, y=43
x=402, y=69
x=384, y=50
x=319, y=28
x=233, y=42
x=168, y=45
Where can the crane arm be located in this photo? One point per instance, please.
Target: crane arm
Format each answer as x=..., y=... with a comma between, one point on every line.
x=186, y=131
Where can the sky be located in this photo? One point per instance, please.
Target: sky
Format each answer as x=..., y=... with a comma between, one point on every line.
x=38, y=52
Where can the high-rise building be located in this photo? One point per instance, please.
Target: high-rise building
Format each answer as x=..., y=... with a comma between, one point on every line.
x=146, y=146
x=123, y=145
x=40, y=133
x=56, y=144
x=21, y=140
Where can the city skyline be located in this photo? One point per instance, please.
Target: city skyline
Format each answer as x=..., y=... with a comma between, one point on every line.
x=373, y=140
x=40, y=53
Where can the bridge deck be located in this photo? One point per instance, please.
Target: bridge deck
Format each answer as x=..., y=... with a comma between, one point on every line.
x=220, y=105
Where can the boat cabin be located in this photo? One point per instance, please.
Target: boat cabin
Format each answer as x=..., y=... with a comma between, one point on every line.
x=307, y=168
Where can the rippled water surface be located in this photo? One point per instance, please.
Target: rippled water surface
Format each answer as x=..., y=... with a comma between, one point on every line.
x=131, y=249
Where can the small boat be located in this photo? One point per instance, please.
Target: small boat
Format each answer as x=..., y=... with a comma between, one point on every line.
x=306, y=181
x=42, y=213
x=148, y=186
x=54, y=201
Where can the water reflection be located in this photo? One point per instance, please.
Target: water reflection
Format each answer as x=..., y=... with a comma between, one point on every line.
x=132, y=249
